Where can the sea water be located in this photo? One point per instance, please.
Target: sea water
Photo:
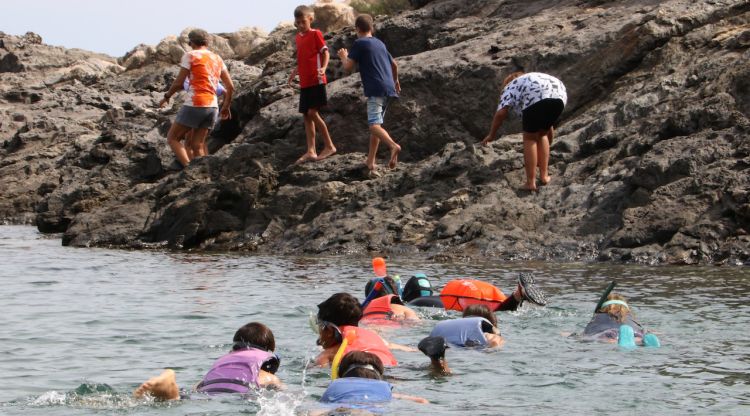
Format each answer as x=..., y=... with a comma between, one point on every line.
x=81, y=328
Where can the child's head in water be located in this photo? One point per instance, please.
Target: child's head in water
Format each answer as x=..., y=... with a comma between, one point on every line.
x=388, y=288
x=338, y=310
x=618, y=308
x=361, y=364
x=483, y=311
x=254, y=335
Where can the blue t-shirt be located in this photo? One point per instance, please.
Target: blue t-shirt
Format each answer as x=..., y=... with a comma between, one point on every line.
x=374, y=63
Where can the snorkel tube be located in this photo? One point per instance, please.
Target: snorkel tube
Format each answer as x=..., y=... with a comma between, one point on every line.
x=606, y=293
x=378, y=266
x=349, y=338
x=373, y=293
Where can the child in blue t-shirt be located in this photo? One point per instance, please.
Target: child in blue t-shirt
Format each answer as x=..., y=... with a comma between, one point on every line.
x=379, y=74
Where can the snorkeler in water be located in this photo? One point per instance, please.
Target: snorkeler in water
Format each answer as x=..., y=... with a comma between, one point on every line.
x=459, y=293
x=477, y=328
x=614, y=322
x=339, y=315
x=251, y=364
x=385, y=305
x=361, y=383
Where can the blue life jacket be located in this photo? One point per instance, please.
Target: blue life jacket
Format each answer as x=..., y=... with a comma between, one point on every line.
x=463, y=332
x=357, y=390
x=604, y=325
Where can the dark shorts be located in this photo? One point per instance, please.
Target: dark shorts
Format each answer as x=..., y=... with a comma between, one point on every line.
x=197, y=117
x=542, y=115
x=312, y=97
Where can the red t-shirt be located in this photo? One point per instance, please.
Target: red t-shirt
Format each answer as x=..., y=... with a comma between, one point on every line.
x=309, y=46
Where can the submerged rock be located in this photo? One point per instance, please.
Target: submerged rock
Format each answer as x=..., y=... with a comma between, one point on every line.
x=649, y=165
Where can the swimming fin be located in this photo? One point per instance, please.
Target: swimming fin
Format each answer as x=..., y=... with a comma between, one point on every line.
x=651, y=340
x=627, y=337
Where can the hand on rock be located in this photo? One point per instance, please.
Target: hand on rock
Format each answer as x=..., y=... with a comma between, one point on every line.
x=163, y=103
x=342, y=53
x=487, y=140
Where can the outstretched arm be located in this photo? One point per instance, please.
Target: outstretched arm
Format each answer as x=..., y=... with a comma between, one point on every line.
x=347, y=63
x=176, y=86
x=497, y=121
x=416, y=399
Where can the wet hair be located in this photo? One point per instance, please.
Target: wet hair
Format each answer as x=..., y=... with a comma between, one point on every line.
x=510, y=78
x=482, y=311
x=198, y=37
x=389, y=288
x=303, y=11
x=363, y=23
x=354, y=365
x=255, y=334
x=619, y=312
x=340, y=309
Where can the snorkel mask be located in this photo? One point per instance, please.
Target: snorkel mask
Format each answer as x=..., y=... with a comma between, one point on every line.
x=318, y=325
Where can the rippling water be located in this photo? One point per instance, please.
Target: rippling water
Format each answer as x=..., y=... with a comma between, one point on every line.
x=83, y=327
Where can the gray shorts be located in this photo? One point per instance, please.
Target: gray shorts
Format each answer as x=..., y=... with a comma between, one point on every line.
x=197, y=117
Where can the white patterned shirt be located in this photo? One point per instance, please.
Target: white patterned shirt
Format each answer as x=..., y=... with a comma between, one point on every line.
x=529, y=89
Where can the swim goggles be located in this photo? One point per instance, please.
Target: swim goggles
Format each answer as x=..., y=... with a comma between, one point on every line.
x=615, y=302
x=363, y=366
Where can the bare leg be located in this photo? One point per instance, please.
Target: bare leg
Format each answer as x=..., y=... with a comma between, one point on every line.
x=542, y=156
x=162, y=387
x=311, y=153
x=197, y=141
x=372, y=152
x=188, y=149
x=177, y=132
x=328, y=148
x=378, y=131
x=530, y=159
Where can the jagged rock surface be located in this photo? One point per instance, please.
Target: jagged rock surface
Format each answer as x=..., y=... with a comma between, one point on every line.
x=650, y=164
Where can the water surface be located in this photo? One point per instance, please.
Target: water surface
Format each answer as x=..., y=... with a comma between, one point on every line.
x=83, y=327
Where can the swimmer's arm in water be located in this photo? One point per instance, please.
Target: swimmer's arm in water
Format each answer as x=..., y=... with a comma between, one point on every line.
x=268, y=380
x=404, y=312
x=326, y=356
x=399, y=347
x=416, y=399
x=494, y=340
x=162, y=387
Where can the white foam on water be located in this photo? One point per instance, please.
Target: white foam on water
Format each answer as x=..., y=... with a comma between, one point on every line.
x=279, y=404
x=50, y=398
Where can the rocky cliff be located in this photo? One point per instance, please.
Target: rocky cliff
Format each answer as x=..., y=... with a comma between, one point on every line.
x=650, y=163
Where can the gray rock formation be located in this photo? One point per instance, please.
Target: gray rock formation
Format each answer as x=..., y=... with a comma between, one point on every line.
x=650, y=164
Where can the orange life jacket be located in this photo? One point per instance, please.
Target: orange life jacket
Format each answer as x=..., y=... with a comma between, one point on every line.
x=368, y=341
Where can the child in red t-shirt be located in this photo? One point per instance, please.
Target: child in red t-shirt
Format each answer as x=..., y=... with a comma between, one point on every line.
x=312, y=61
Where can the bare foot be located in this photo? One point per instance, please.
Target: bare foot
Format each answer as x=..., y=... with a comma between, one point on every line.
x=162, y=387
x=529, y=188
x=326, y=153
x=545, y=180
x=394, y=156
x=307, y=157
